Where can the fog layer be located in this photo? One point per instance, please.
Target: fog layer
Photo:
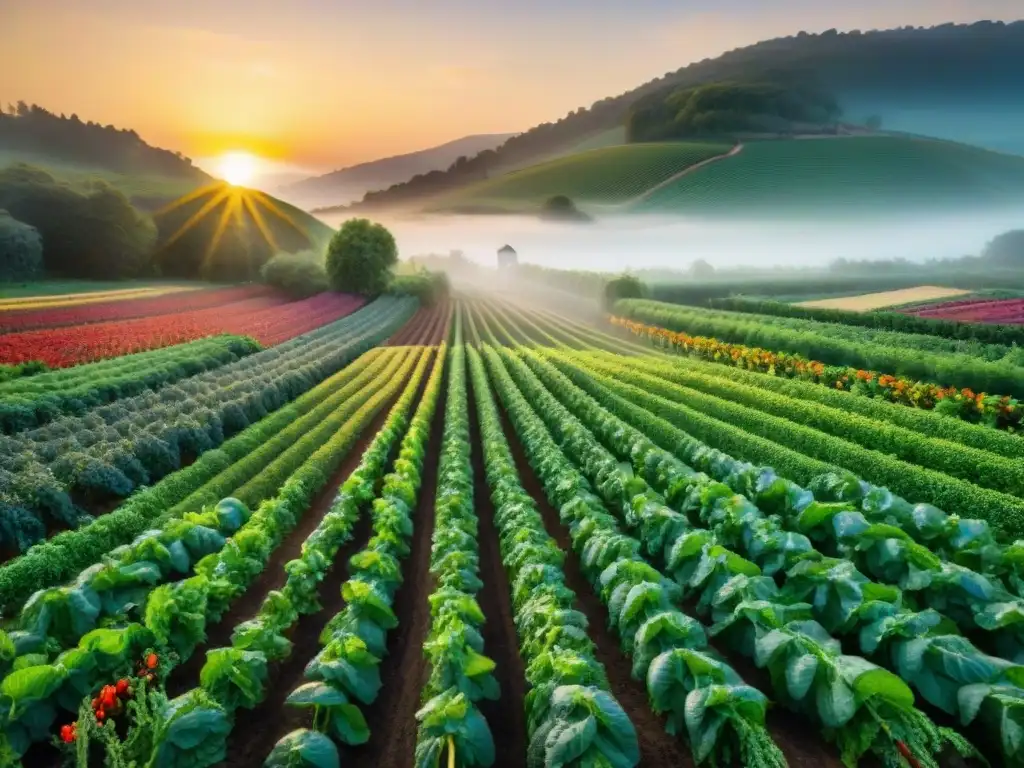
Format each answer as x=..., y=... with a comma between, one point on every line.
x=617, y=243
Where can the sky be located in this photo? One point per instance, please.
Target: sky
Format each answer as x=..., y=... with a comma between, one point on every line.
x=321, y=84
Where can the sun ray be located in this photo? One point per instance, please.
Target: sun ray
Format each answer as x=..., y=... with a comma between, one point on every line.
x=195, y=194
x=196, y=217
x=260, y=223
x=269, y=203
x=222, y=224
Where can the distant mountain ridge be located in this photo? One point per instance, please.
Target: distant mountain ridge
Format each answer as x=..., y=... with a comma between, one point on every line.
x=351, y=183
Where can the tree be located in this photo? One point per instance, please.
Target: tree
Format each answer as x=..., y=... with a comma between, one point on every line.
x=360, y=257
x=92, y=234
x=1006, y=249
x=21, y=250
x=623, y=287
x=701, y=268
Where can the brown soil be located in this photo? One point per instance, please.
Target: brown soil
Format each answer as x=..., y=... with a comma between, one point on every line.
x=657, y=748
x=404, y=670
x=256, y=731
x=506, y=716
x=218, y=635
x=426, y=327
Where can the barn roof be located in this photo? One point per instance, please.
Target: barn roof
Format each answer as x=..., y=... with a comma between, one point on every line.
x=507, y=249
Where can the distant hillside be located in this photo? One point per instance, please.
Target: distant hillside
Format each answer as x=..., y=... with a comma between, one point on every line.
x=960, y=82
x=844, y=176
x=228, y=233
x=348, y=184
x=34, y=131
x=605, y=176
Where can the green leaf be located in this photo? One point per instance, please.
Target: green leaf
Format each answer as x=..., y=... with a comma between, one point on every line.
x=836, y=702
x=800, y=673
x=478, y=664
x=316, y=694
x=348, y=723
x=568, y=742
x=303, y=748
x=32, y=684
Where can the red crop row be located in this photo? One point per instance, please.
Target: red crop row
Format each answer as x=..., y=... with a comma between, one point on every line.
x=61, y=347
x=124, y=309
x=1005, y=311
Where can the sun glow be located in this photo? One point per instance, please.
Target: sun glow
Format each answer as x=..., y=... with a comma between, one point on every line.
x=237, y=168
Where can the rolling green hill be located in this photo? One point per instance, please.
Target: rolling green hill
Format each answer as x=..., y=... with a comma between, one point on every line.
x=608, y=176
x=844, y=175
x=959, y=82
x=146, y=190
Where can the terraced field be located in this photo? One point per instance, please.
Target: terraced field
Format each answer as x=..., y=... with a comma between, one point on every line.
x=485, y=534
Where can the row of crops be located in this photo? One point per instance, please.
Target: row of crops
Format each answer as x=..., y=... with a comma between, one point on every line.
x=543, y=545
x=793, y=575
x=216, y=563
x=60, y=335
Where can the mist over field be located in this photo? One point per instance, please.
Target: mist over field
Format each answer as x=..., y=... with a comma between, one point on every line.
x=617, y=243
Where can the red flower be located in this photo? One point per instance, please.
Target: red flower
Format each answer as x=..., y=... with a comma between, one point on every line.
x=108, y=697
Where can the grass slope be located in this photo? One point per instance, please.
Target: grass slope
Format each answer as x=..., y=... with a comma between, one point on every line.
x=607, y=175
x=144, y=190
x=848, y=175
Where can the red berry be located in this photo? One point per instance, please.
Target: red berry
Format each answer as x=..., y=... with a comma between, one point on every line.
x=100, y=714
x=123, y=687
x=151, y=661
x=68, y=734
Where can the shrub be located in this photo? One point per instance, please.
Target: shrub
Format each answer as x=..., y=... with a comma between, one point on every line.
x=428, y=287
x=360, y=257
x=21, y=249
x=623, y=287
x=93, y=234
x=297, y=274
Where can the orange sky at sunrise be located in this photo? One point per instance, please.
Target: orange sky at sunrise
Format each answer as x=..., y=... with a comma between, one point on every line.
x=320, y=85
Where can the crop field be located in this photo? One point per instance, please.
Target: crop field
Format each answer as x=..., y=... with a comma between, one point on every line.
x=868, y=301
x=847, y=174
x=979, y=310
x=482, y=533
x=66, y=336
x=21, y=315
x=606, y=175
x=36, y=295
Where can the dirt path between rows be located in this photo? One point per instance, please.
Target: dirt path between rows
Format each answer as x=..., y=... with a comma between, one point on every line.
x=507, y=715
x=427, y=327
x=218, y=635
x=404, y=670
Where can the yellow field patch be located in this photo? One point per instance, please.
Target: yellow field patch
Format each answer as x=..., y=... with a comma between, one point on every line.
x=91, y=297
x=868, y=301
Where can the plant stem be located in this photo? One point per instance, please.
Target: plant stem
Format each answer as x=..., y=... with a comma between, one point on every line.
x=451, y=752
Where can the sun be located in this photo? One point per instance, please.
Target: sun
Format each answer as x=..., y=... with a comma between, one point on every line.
x=237, y=168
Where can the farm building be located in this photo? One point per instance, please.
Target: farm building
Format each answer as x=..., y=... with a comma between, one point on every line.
x=507, y=257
